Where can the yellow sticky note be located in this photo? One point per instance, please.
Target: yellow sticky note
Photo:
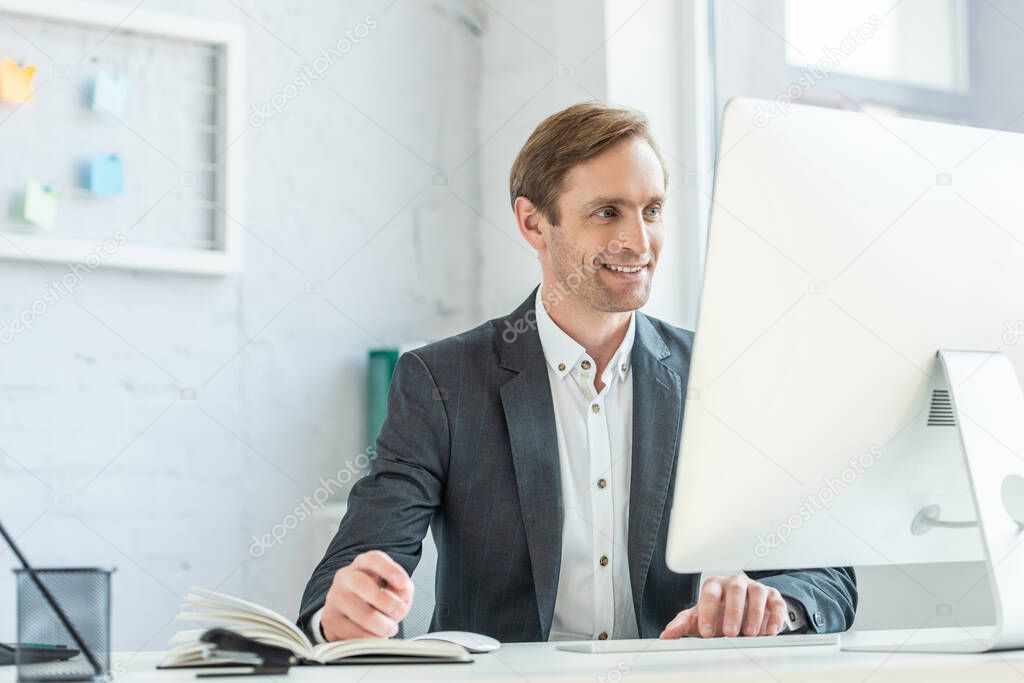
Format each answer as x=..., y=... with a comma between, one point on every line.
x=15, y=81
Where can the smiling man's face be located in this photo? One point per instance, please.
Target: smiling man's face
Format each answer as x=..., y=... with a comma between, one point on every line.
x=606, y=245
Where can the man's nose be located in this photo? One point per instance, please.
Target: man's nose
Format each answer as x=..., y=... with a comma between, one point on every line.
x=634, y=236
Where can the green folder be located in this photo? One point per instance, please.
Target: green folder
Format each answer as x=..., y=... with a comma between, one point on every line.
x=380, y=368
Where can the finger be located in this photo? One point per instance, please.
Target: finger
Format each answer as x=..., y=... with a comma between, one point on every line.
x=776, y=614
x=370, y=620
x=367, y=618
x=381, y=564
x=735, y=604
x=757, y=599
x=351, y=630
x=681, y=626
x=367, y=588
x=707, y=607
x=336, y=626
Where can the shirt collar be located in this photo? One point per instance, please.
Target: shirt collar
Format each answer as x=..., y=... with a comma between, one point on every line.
x=562, y=352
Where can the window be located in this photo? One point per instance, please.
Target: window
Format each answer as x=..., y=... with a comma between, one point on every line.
x=919, y=43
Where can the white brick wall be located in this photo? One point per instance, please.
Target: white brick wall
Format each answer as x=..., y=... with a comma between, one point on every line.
x=103, y=460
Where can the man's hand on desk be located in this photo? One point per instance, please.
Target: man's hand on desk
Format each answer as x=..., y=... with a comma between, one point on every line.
x=367, y=599
x=728, y=606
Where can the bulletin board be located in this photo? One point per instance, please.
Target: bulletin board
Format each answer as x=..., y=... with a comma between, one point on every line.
x=132, y=137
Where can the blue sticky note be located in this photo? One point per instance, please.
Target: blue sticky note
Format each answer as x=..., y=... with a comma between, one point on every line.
x=110, y=93
x=105, y=175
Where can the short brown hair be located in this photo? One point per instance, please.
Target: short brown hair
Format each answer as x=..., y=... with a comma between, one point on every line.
x=566, y=139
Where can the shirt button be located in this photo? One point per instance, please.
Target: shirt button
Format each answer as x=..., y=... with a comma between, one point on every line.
x=595, y=408
x=792, y=616
x=604, y=560
x=601, y=483
x=602, y=636
x=561, y=367
x=623, y=368
x=585, y=365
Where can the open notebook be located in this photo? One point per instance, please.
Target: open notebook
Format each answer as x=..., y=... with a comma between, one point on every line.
x=270, y=628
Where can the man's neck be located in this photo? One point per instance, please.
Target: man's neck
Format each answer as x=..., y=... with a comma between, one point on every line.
x=599, y=332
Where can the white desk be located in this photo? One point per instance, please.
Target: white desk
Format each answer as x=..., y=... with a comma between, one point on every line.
x=540, y=662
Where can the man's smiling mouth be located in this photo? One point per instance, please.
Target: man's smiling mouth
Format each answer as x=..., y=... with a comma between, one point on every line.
x=623, y=269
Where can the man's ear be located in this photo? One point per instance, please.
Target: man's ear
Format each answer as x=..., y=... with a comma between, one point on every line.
x=531, y=223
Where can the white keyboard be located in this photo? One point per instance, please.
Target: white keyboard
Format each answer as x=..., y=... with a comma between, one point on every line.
x=655, y=645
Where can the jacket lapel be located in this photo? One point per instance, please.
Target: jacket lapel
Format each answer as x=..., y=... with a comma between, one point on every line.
x=530, y=418
x=657, y=417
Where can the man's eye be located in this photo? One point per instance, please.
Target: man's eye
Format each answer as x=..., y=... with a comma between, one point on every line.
x=606, y=213
x=654, y=211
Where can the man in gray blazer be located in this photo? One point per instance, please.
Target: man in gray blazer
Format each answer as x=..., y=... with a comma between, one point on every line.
x=540, y=447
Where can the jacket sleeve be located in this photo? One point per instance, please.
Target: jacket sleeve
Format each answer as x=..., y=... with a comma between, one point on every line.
x=829, y=596
x=390, y=508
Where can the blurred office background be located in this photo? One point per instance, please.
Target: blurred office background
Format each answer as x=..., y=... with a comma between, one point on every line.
x=178, y=426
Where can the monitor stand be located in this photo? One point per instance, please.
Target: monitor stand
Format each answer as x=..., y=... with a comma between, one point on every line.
x=989, y=408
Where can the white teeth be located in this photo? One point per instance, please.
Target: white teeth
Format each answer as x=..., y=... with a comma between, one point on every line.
x=624, y=269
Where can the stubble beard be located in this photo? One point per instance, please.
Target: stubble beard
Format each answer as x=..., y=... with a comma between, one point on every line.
x=582, y=278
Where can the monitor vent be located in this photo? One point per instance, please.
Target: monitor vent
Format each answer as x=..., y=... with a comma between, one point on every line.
x=941, y=413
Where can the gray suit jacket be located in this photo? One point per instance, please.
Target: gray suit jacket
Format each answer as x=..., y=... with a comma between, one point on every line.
x=469, y=448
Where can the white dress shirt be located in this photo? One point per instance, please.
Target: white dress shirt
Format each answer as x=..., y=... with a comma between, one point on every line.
x=595, y=447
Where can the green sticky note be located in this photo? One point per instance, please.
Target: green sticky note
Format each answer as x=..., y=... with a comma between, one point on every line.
x=40, y=205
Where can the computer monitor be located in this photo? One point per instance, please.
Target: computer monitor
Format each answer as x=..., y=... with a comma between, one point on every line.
x=820, y=429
